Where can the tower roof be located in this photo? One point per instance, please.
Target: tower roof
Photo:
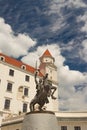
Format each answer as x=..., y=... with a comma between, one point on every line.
x=46, y=54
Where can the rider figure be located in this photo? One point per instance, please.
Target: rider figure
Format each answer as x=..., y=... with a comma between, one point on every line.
x=38, y=84
x=44, y=90
x=43, y=82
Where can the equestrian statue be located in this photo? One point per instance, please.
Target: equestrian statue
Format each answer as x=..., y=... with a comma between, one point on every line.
x=44, y=90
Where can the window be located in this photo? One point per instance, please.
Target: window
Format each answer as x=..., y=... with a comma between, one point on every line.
x=23, y=67
x=9, y=87
x=25, y=107
x=27, y=78
x=7, y=104
x=11, y=72
x=2, y=58
x=77, y=128
x=63, y=127
x=26, y=91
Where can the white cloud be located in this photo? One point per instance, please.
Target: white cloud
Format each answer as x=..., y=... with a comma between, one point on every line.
x=68, y=47
x=55, y=7
x=77, y=3
x=13, y=45
x=76, y=102
x=84, y=19
x=71, y=99
x=83, y=51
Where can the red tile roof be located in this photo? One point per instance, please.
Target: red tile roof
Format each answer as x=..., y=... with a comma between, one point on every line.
x=18, y=64
x=47, y=53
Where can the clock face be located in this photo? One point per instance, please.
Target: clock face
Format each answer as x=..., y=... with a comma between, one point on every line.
x=48, y=60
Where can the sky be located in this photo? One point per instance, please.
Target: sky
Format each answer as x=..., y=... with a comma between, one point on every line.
x=29, y=27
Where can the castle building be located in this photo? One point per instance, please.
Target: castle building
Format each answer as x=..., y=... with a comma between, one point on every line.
x=18, y=88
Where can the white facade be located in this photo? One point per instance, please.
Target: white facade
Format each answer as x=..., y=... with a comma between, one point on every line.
x=16, y=98
x=72, y=120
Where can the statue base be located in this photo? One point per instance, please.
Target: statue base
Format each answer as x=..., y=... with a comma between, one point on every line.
x=40, y=120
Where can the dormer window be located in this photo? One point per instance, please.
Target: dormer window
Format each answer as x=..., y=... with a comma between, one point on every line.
x=23, y=67
x=2, y=58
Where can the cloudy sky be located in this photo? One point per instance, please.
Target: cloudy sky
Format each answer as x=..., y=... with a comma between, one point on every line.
x=29, y=27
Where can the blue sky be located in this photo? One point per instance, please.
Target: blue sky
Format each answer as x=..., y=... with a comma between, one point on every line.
x=29, y=27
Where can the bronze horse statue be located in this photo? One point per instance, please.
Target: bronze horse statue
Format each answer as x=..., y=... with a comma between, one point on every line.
x=41, y=98
x=44, y=90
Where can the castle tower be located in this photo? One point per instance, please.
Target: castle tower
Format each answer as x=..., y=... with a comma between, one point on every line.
x=47, y=66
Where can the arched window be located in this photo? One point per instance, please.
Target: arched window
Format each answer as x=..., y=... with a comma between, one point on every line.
x=20, y=92
x=23, y=92
x=23, y=67
x=2, y=58
x=20, y=89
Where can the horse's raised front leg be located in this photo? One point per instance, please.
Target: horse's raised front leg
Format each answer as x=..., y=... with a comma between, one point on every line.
x=52, y=94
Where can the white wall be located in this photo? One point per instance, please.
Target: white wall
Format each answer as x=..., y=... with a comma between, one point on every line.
x=18, y=80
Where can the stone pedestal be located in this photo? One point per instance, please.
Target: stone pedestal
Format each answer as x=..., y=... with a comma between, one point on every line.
x=45, y=120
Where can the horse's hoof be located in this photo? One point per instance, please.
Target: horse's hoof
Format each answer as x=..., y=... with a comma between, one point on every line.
x=54, y=97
